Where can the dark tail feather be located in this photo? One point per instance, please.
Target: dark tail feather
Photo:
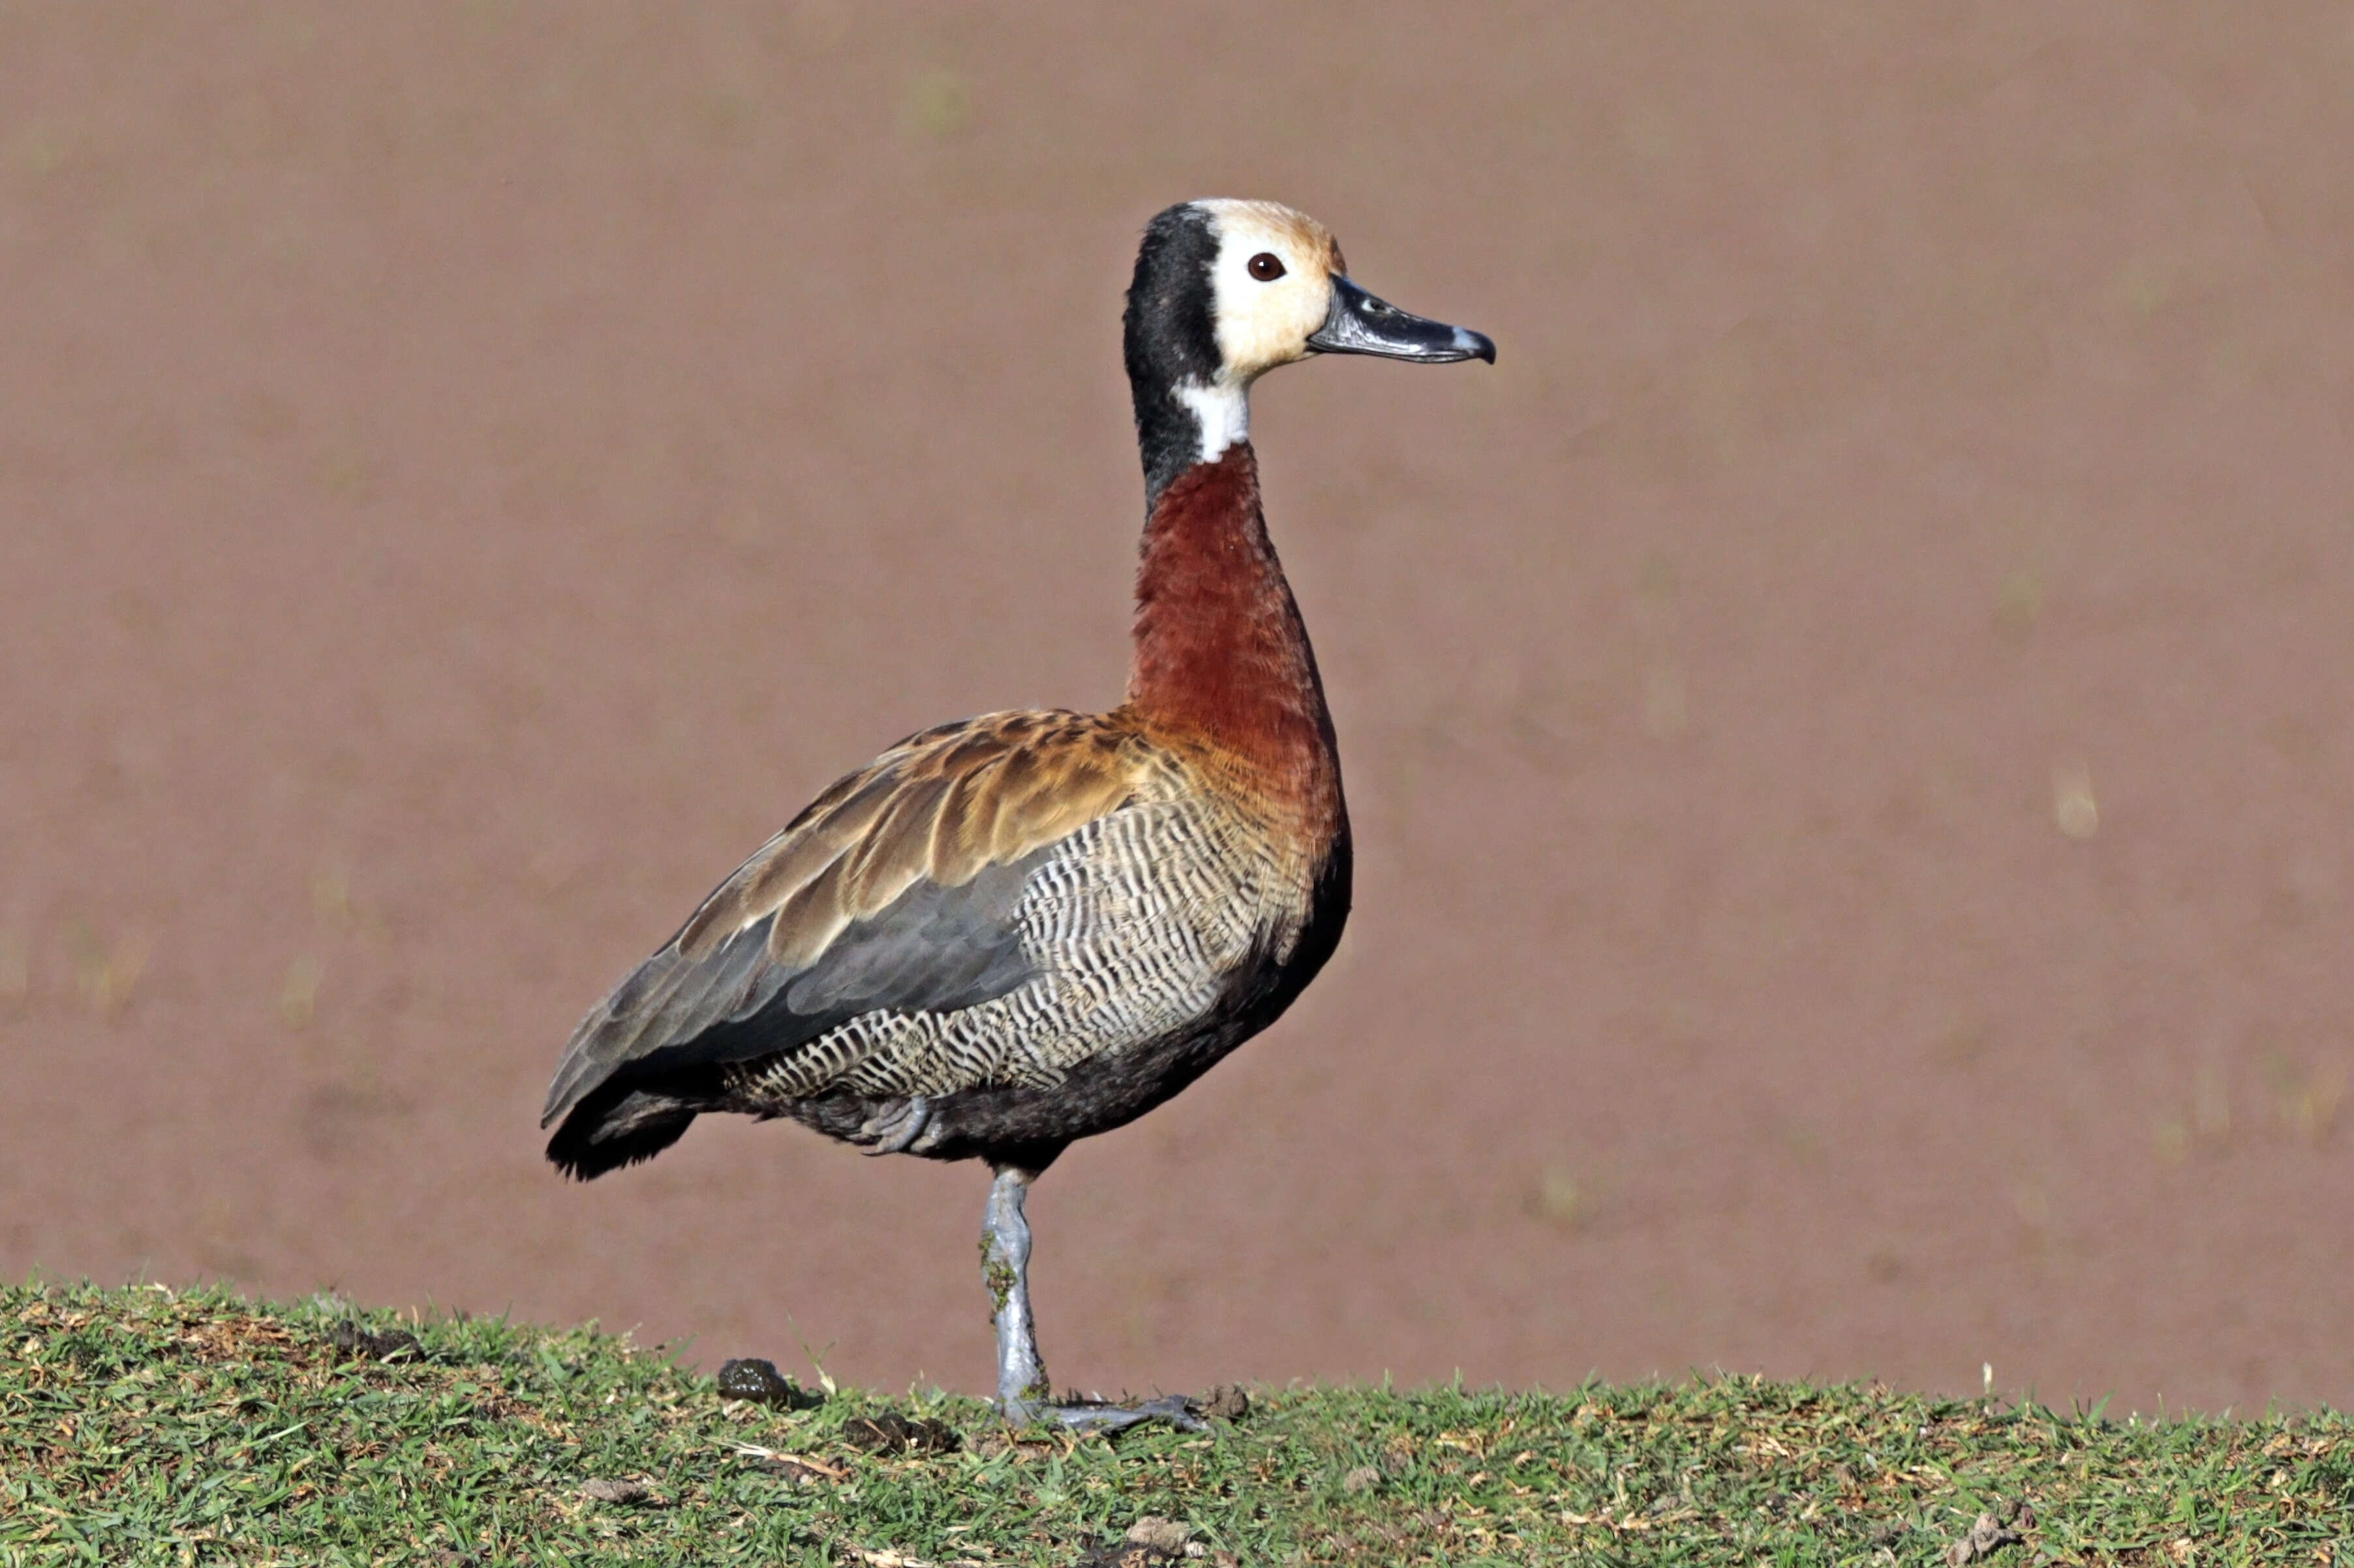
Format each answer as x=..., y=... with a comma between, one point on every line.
x=619, y=1124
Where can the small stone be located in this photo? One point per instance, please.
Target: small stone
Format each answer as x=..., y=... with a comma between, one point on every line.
x=762, y=1384
x=1228, y=1402
x=2004, y=1524
x=1363, y=1478
x=628, y=1493
x=1161, y=1535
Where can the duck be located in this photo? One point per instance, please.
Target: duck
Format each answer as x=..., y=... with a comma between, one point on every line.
x=1015, y=931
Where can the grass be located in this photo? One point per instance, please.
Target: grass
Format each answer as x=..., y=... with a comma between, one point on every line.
x=139, y=1425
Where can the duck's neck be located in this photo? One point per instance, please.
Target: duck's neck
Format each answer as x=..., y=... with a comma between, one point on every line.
x=1191, y=422
x=1220, y=652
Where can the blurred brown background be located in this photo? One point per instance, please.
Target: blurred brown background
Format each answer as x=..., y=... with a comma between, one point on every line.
x=1847, y=723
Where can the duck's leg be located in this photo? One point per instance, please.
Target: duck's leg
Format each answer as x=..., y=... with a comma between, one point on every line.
x=1005, y=1267
x=1024, y=1395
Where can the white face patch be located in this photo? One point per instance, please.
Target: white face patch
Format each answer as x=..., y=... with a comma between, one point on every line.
x=1264, y=322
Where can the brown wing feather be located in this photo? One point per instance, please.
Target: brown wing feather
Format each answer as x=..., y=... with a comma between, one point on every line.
x=935, y=811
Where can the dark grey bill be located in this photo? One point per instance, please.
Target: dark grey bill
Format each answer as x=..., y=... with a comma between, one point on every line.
x=1358, y=322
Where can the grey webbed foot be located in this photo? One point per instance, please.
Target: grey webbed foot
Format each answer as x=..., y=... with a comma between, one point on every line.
x=1085, y=1415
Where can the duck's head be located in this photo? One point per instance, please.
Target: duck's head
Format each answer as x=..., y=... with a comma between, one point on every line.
x=1224, y=291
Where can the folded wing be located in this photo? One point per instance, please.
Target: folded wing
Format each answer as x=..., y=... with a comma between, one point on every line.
x=897, y=889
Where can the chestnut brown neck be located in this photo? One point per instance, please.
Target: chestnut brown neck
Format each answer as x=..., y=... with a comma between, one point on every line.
x=1222, y=656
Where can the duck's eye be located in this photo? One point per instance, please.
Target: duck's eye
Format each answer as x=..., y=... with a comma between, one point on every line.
x=1266, y=266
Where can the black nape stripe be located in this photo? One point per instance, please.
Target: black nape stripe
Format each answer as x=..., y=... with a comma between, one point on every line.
x=1172, y=337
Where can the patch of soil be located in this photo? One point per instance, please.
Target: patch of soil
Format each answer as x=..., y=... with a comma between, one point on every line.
x=374, y=1344
x=892, y=1433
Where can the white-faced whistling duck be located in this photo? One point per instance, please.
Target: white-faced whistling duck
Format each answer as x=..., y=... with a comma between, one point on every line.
x=1008, y=933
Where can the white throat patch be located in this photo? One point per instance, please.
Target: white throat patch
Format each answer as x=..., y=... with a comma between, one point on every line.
x=1223, y=413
